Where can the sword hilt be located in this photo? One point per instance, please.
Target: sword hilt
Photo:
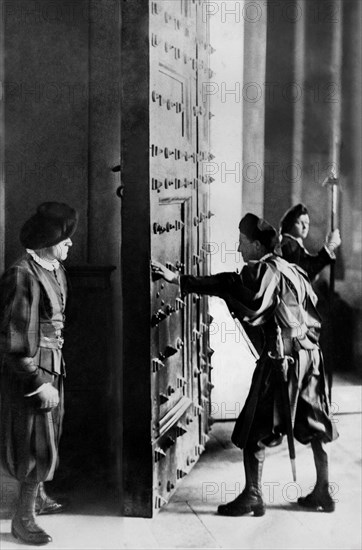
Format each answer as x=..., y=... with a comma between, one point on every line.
x=282, y=364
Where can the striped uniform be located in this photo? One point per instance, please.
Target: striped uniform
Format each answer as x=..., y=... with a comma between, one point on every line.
x=268, y=293
x=32, y=305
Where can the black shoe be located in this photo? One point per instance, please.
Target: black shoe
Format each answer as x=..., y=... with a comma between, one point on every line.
x=245, y=503
x=320, y=502
x=29, y=532
x=49, y=506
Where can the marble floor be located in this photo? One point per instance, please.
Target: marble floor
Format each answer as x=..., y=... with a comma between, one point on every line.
x=190, y=520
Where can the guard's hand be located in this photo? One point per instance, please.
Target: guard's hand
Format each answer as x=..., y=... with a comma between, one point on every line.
x=162, y=271
x=333, y=240
x=49, y=397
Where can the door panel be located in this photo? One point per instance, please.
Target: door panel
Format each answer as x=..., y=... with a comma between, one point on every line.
x=172, y=216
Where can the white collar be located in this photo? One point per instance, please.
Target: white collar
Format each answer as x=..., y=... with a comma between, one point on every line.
x=50, y=265
x=292, y=237
x=266, y=256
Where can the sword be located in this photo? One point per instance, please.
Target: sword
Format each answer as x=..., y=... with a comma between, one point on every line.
x=281, y=362
x=248, y=342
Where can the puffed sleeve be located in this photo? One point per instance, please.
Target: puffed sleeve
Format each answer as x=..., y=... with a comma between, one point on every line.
x=211, y=285
x=252, y=295
x=256, y=293
x=19, y=327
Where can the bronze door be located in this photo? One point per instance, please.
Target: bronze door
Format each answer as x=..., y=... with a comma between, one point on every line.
x=170, y=218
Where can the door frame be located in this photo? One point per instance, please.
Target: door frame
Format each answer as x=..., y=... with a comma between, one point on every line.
x=2, y=142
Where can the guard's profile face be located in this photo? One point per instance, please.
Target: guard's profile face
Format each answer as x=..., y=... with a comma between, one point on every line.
x=301, y=227
x=60, y=250
x=250, y=250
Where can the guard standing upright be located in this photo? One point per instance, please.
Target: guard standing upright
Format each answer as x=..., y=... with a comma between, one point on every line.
x=33, y=297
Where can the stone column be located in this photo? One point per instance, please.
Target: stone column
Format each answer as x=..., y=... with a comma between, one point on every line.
x=281, y=95
x=255, y=44
x=351, y=169
x=2, y=139
x=322, y=100
x=299, y=71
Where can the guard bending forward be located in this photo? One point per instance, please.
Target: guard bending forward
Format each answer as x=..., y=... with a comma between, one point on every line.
x=273, y=294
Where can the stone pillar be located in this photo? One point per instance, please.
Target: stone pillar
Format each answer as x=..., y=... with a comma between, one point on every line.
x=281, y=95
x=2, y=139
x=351, y=169
x=322, y=97
x=255, y=42
x=299, y=70
x=351, y=163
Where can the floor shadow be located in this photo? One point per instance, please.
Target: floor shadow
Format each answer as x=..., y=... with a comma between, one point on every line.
x=82, y=498
x=294, y=507
x=212, y=510
x=94, y=500
x=347, y=378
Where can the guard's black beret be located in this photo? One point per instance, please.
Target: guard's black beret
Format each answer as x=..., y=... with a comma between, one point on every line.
x=257, y=229
x=52, y=223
